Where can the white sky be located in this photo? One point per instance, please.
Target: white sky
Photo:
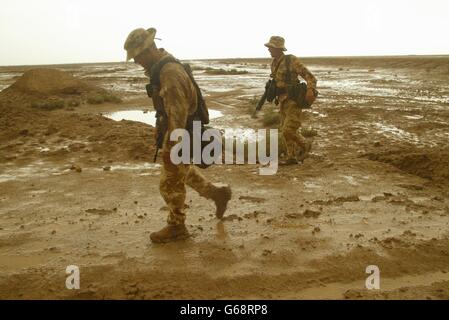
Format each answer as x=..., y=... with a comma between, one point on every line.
x=70, y=31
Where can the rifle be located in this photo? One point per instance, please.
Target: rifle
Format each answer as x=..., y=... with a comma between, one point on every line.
x=161, y=120
x=260, y=104
x=264, y=98
x=161, y=129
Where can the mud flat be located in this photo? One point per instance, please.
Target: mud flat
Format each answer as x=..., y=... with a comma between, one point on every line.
x=79, y=189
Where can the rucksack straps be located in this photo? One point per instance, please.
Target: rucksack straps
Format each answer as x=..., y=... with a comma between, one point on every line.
x=201, y=113
x=273, y=75
x=288, y=73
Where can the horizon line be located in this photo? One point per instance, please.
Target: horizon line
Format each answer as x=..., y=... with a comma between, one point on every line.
x=446, y=55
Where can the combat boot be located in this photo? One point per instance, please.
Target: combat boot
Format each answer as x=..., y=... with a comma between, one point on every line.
x=170, y=233
x=221, y=196
x=303, y=154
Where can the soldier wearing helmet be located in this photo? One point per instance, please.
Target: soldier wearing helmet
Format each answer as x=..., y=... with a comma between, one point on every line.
x=179, y=97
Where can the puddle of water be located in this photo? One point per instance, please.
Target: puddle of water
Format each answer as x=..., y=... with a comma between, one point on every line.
x=370, y=197
x=311, y=185
x=396, y=132
x=350, y=180
x=148, y=117
x=43, y=149
x=134, y=115
x=419, y=199
x=33, y=170
x=321, y=115
x=414, y=117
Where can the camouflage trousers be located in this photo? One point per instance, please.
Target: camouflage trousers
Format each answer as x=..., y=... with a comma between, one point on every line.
x=173, y=183
x=291, y=116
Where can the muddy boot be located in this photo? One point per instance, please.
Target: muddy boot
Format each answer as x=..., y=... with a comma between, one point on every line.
x=170, y=233
x=221, y=196
x=289, y=162
x=303, y=154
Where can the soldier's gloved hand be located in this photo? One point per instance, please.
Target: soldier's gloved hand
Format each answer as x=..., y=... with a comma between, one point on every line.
x=311, y=96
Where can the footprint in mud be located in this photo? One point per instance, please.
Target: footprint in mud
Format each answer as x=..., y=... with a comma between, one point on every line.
x=339, y=200
x=306, y=214
x=232, y=218
x=101, y=212
x=411, y=187
x=253, y=215
x=311, y=214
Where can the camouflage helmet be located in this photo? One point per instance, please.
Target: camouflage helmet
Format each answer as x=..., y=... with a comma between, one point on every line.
x=276, y=42
x=139, y=40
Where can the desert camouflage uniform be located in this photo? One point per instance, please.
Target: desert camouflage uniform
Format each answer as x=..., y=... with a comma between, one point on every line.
x=180, y=101
x=289, y=110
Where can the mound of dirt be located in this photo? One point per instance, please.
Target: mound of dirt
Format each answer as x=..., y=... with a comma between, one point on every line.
x=27, y=134
x=43, y=86
x=429, y=164
x=49, y=82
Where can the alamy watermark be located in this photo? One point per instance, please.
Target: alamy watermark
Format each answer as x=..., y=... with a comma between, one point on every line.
x=373, y=281
x=254, y=142
x=73, y=280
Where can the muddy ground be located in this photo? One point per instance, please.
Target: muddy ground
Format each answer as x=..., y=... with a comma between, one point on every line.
x=77, y=188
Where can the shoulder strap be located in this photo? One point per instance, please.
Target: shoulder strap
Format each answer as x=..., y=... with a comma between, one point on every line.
x=202, y=112
x=155, y=77
x=277, y=67
x=288, y=74
x=155, y=73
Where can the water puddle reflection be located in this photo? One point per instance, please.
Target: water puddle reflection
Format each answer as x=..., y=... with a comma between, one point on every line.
x=148, y=117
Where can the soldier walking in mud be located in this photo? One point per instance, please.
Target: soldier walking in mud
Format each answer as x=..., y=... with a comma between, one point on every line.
x=176, y=92
x=292, y=96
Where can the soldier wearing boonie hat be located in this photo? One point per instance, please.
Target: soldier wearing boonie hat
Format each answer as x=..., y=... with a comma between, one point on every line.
x=179, y=100
x=277, y=43
x=285, y=71
x=138, y=41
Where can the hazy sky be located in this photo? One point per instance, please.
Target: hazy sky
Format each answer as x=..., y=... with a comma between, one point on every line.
x=69, y=31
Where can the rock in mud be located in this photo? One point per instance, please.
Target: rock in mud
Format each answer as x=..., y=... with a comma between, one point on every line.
x=76, y=168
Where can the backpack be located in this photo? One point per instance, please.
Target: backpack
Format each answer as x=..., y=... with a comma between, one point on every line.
x=296, y=89
x=201, y=113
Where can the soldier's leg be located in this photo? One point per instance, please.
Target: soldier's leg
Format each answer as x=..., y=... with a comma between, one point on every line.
x=220, y=194
x=198, y=182
x=172, y=183
x=291, y=124
x=173, y=190
x=281, y=139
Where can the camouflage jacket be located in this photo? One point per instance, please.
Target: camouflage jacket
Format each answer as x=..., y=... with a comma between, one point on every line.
x=179, y=96
x=296, y=67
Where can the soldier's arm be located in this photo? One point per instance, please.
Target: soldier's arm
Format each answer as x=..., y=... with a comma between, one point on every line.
x=176, y=103
x=300, y=69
